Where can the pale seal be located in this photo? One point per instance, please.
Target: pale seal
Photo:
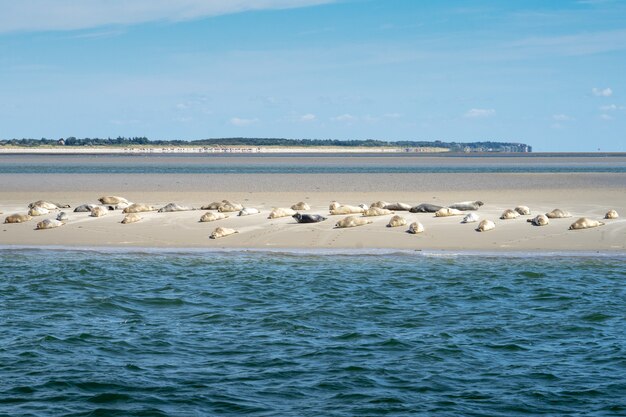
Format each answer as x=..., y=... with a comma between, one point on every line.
x=301, y=206
x=247, y=211
x=379, y=204
x=214, y=205
x=509, y=214
x=398, y=206
x=62, y=217
x=376, y=211
x=539, y=220
x=425, y=208
x=333, y=205
x=347, y=210
x=396, y=221
x=17, y=218
x=138, y=208
x=523, y=210
x=308, y=218
x=98, y=211
x=48, y=205
x=230, y=207
x=38, y=211
x=471, y=218
x=585, y=223
x=281, y=212
x=131, y=218
x=211, y=217
x=415, y=228
x=352, y=221
x=447, y=212
x=222, y=232
x=173, y=207
x=485, y=225
x=49, y=224
x=113, y=200
x=467, y=205
x=558, y=214
x=611, y=214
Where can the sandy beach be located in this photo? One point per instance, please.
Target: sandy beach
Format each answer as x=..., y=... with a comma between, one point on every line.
x=583, y=194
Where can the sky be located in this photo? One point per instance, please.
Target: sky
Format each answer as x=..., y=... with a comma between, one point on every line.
x=546, y=73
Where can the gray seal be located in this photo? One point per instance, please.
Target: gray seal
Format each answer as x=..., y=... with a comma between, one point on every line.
x=86, y=208
x=308, y=218
x=425, y=208
x=467, y=205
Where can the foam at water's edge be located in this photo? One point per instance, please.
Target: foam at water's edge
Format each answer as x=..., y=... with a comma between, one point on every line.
x=317, y=251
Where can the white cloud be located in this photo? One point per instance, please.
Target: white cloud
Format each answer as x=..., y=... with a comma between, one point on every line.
x=602, y=92
x=392, y=115
x=561, y=117
x=612, y=107
x=605, y=117
x=479, y=113
x=309, y=117
x=238, y=121
x=40, y=15
x=346, y=118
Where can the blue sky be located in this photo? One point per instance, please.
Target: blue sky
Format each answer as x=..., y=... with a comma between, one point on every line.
x=546, y=73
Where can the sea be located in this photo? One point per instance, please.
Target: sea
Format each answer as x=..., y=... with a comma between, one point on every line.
x=195, y=332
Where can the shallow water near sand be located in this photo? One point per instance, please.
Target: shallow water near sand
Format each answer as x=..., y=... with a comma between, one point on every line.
x=308, y=334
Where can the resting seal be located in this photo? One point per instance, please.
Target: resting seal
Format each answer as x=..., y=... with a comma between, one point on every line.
x=585, y=223
x=558, y=214
x=539, y=220
x=222, y=232
x=396, y=221
x=485, y=225
x=211, y=217
x=471, y=218
x=379, y=204
x=398, y=207
x=214, y=205
x=333, y=205
x=308, y=218
x=523, y=210
x=38, y=211
x=415, y=228
x=138, y=208
x=230, y=207
x=84, y=208
x=247, y=211
x=49, y=224
x=281, y=212
x=98, y=211
x=447, y=212
x=509, y=214
x=348, y=210
x=301, y=206
x=113, y=200
x=376, y=211
x=352, y=221
x=48, y=205
x=425, y=208
x=173, y=207
x=62, y=217
x=611, y=214
x=17, y=218
x=467, y=205
x=131, y=218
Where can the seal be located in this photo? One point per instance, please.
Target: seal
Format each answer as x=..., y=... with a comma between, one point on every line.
x=62, y=217
x=471, y=218
x=585, y=223
x=376, y=211
x=347, y=210
x=247, y=211
x=509, y=214
x=398, y=207
x=173, y=207
x=611, y=214
x=396, y=221
x=351, y=221
x=425, y=208
x=38, y=211
x=17, y=218
x=379, y=204
x=558, y=214
x=485, y=226
x=415, y=228
x=49, y=224
x=99, y=211
x=222, y=232
x=308, y=218
x=447, y=212
x=131, y=218
x=333, y=205
x=301, y=206
x=523, y=210
x=48, y=205
x=539, y=220
x=281, y=212
x=113, y=200
x=138, y=208
x=466, y=205
x=211, y=217
x=84, y=208
x=214, y=205
x=229, y=207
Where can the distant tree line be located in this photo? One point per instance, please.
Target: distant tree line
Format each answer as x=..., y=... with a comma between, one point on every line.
x=484, y=146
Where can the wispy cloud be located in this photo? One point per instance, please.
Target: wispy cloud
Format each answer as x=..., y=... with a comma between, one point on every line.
x=345, y=118
x=612, y=107
x=605, y=117
x=561, y=117
x=602, y=92
x=309, y=117
x=479, y=113
x=238, y=121
x=43, y=15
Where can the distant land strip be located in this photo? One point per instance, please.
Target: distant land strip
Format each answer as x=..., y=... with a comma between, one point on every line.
x=249, y=145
